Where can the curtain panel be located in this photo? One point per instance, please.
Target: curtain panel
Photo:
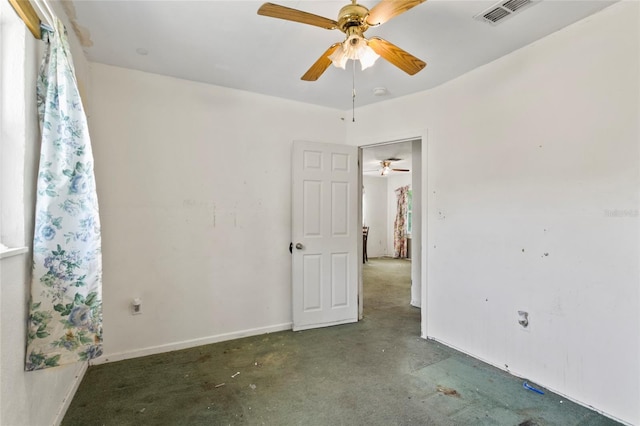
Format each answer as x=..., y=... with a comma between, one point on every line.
x=400, y=248
x=65, y=318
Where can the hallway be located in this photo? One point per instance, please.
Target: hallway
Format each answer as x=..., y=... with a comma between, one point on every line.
x=375, y=372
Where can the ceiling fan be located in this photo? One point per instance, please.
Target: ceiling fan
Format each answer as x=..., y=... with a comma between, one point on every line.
x=385, y=167
x=353, y=20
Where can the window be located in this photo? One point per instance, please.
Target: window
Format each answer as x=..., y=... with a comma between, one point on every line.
x=18, y=127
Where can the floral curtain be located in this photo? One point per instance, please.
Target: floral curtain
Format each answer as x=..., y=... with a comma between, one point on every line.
x=65, y=318
x=399, y=225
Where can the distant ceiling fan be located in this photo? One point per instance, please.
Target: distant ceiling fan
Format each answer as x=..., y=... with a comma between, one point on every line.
x=385, y=167
x=353, y=21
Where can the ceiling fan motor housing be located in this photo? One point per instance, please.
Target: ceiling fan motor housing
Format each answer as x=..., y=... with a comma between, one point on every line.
x=353, y=15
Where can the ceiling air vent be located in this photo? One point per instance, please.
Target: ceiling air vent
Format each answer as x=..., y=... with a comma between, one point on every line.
x=502, y=10
x=514, y=5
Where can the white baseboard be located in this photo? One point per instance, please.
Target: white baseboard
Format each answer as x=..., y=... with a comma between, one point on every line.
x=185, y=344
x=79, y=375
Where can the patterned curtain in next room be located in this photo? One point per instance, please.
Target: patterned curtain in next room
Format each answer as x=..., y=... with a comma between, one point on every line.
x=65, y=318
x=399, y=225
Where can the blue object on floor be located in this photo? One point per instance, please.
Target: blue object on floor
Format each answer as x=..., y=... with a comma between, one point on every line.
x=531, y=388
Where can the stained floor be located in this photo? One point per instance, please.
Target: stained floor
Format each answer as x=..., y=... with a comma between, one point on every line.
x=375, y=372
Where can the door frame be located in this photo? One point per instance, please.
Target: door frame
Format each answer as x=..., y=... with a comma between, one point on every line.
x=419, y=248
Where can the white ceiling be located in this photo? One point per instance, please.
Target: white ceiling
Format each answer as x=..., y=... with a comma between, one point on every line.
x=227, y=43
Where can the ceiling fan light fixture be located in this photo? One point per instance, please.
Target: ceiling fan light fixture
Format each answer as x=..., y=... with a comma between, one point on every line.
x=385, y=168
x=367, y=56
x=339, y=58
x=355, y=47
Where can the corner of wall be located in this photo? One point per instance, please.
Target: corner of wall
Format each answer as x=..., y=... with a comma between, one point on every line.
x=71, y=391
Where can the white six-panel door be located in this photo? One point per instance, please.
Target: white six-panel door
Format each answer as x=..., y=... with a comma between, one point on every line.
x=325, y=234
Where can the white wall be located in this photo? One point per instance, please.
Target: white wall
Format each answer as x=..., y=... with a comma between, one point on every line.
x=194, y=188
x=375, y=214
x=38, y=397
x=532, y=182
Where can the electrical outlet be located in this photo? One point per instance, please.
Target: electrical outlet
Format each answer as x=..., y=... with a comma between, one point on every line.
x=136, y=306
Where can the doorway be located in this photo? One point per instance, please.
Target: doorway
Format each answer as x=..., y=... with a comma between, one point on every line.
x=386, y=167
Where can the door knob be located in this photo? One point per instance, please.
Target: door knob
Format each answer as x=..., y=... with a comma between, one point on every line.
x=299, y=246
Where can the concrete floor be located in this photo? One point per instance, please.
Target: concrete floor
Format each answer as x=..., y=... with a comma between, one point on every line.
x=375, y=372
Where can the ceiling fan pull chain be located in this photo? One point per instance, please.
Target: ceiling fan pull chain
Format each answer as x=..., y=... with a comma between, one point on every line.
x=353, y=97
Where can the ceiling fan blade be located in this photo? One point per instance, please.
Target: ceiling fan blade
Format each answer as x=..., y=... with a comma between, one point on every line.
x=282, y=12
x=401, y=170
x=320, y=65
x=387, y=9
x=398, y=57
